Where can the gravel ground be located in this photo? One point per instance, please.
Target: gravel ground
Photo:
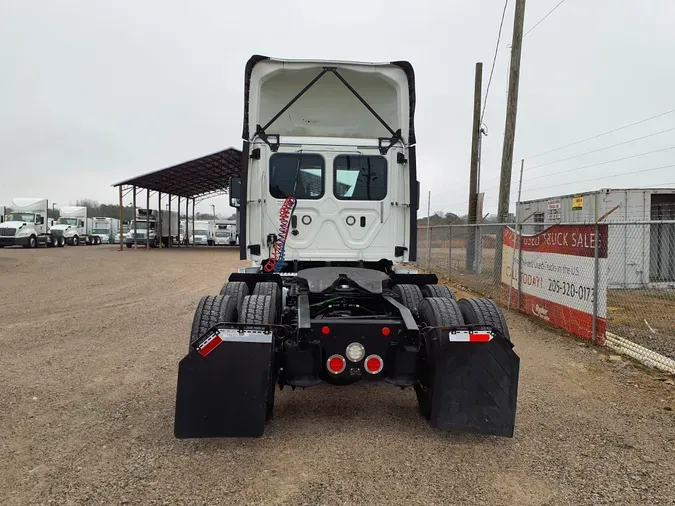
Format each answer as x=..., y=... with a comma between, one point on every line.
x=88, y=376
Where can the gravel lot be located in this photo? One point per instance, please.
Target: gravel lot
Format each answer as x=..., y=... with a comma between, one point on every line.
x=88, y=377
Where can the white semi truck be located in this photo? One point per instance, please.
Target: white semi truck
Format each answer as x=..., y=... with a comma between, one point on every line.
x=151, y=224
x=27, y=226
x=328, y=200
x=203, y=232
x=75, y=227
x=226, y=233
x=106, y=229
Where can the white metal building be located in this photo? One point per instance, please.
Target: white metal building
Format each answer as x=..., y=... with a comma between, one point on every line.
x=639, y=255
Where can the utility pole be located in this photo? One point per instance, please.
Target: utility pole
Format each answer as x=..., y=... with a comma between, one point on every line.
x=510, y=128
x=475, y=155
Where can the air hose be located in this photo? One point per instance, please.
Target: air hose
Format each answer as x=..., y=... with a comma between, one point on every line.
x=276, y=260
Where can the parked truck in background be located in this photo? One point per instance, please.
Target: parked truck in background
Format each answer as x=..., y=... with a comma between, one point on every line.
x=153, y=225
x=226, y=233
x=75, y=227
x=106, y=229
x=3, y=212
x=27, y=226
x=203, y=232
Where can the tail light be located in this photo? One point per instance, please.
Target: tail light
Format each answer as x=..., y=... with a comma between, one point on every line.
x=336, y=364
x=374, y=364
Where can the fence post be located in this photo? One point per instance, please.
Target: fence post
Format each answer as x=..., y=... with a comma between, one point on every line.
x=513, y=262
x=520, y=263
x=428, y=248
x=596, y=263
x=477, y=257
x=450, y=253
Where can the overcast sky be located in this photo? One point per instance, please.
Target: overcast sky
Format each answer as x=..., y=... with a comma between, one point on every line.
x=94, y=92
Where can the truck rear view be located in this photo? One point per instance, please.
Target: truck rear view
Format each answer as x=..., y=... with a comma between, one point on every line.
x=328, y=201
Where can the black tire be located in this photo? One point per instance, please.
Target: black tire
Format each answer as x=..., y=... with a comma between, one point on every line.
x=261, y=310
x=237, y=290
x=484, y=312
x=61, y=242
x=410, y=296
x=266, y=288
x=211, y=309
x=51, y=242
x=128, y=245
x=438, y=291
x=32, y=242
x=434, y=312
x=75, y=241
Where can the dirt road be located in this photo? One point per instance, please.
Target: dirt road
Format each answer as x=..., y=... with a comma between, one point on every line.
x=90, y=341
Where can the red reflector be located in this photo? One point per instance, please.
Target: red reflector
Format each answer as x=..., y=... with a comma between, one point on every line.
x=386, y=331
x=476, y=337
x=336, y=364
x=374, y=364
x=325, y=330
x=209, y=345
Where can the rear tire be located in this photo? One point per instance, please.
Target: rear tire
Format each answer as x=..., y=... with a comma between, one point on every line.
x=484, y=312
x=438, y=291
x=237, y=290
x=410, y=295
x=435, y=312
x=211, y=310
x=261, y=310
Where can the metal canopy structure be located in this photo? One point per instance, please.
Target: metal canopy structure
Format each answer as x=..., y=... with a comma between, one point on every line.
x=191, y=181
x=198, y=179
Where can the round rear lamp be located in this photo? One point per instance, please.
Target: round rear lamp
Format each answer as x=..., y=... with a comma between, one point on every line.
x=336, y=364
x=355, y=352
x=374, y=364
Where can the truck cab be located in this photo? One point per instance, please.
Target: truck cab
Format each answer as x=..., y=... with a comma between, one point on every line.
x=26, y=225
x=347, y=171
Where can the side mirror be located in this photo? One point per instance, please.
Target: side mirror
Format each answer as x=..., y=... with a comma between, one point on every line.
x=235, y=191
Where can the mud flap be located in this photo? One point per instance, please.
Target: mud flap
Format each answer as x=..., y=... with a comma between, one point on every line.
x=475, y=387
x=224, y=394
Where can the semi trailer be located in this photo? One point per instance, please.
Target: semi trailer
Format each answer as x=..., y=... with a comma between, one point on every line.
x=27, y=225
x=75, y=227
x=328, y=199
x=157, y=226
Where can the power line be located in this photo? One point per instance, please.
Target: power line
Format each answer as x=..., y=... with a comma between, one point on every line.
x=593, y=165
x=542, y=19
x=600, y=135
x=494, y=60
x=602, y=149
x=598, y=178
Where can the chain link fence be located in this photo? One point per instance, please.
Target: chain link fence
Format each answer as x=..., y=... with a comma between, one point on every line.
x=613, y=281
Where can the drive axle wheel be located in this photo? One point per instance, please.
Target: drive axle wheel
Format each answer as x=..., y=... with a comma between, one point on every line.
x=211, y=310
x=237, y=290
x=261, y=310
x=434, y=312
x=438, y=291
x=410, y=295
x=484, y=312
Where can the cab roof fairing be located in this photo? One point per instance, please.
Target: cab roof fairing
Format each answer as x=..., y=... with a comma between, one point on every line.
x=328, y=108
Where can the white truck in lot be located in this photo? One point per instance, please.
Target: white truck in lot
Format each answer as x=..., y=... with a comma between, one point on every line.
x=153, y=224
x=203, y=233
x=106, y=229
x=27, y=226
x=74, y=227
x=226, y=233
